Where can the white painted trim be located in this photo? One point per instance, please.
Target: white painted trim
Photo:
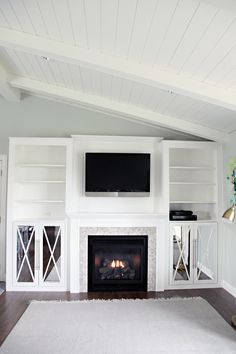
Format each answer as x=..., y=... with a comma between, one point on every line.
x=220, y=182
x=228, y=287
x=141, y=216
x=37, y=288
x=9, y=238
x=3, y=179
x=8, y=92
x=189, y=144
x=193, y=286
x=40, y=141
x=161, y=249
x=121, y=109
x=144, y=74
x=118, y=138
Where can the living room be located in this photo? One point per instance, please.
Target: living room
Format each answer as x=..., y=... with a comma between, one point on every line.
x=117, y=159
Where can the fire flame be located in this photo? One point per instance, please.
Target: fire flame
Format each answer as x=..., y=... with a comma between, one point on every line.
x=117, y=264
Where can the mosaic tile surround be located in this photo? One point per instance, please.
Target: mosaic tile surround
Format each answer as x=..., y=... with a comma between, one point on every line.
x=109, y=231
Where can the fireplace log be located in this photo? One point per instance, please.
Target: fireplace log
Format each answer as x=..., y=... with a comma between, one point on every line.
x=103, y=270
x=116, y=273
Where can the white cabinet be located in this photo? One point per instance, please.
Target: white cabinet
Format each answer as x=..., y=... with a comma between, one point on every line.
x=192, y=180
x=38, y=255
x=193, y=253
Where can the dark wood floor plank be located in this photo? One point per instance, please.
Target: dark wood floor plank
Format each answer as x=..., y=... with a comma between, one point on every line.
x=14, y=304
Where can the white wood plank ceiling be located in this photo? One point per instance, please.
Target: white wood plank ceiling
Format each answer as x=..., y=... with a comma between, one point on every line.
x=169, y=62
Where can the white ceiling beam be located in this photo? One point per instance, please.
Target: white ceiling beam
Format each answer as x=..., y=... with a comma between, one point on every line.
x=8, y=92
x=120, y=109
x=228, y=5
x=180, y=84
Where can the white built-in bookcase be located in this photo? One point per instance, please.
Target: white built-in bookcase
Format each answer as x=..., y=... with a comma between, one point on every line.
x=38, y=196
x=191, y=173
x=45, y=188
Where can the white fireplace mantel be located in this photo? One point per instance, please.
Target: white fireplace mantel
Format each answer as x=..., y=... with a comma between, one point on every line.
x=150, y=218
x=117, y=222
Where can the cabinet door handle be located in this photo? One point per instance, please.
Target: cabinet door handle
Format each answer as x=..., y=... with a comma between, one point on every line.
x=194, y=253
x=37, y=254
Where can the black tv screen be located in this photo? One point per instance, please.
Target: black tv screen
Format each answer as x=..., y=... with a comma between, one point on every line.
x=119, y=173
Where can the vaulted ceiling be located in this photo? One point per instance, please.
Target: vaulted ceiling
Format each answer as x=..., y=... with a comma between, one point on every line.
x=171, y=63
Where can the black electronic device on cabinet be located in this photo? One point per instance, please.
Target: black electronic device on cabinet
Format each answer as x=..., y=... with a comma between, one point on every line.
x=182, y=215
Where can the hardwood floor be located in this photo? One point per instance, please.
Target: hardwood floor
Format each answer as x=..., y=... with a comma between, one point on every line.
x=14, y=304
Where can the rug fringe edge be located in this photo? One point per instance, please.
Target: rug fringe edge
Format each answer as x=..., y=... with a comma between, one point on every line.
x=120, y=300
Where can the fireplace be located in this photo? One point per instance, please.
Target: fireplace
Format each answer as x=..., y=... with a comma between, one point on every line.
x=117, y=263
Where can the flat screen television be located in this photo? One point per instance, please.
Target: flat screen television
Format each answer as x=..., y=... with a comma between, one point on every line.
x=117, y=174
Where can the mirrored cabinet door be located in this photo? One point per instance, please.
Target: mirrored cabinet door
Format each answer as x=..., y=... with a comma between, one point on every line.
x=39, y=255
x=25, y=257
x=205, y=255
x=181, y=249
x=51, y=254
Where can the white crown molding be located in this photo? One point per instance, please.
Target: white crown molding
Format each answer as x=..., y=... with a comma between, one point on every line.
x=144, y=74
x=117, y=138
x=121, y=110
x=8, y=92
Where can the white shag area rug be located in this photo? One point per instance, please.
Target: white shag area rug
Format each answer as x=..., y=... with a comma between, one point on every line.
x=121, y=327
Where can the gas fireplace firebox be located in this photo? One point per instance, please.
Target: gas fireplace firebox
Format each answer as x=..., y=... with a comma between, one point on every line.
x=117, y=263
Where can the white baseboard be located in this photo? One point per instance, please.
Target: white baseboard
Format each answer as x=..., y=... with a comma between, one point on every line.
x=231, y=289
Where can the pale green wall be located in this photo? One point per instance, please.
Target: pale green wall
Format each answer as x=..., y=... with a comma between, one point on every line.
x=35, y=116
x=229, y=230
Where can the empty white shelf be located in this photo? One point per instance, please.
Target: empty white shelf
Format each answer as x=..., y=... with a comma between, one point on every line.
x=193, y=183
x=40, y=181
x=192, y=202
x=39, y=201
x=193, y=221
x=39, y=165
x=192, y=167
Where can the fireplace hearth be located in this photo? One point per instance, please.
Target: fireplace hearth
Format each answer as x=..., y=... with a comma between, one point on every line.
x=117, y=263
